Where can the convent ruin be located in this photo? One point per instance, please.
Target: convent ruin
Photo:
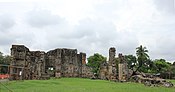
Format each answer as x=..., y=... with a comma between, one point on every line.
x=109, y=71
x=61, y=62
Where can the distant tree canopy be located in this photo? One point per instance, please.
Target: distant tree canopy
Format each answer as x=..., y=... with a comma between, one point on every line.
x=95, y=61
x=4, y=60
x=131, y=60
x=142, y=63
x=161, y=65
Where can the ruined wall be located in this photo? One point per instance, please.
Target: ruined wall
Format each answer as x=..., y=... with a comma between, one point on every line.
x=86, y=72
x=112, y=64
x=81, y=58
x=70, y=65
x=122, y=68
x=37, y=64
x=103, y=71
x=26, y=64
x=54, y=62
x=60, y=62
x=108, y=70
x=18, y=54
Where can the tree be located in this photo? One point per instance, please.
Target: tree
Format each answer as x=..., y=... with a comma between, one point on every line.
x=4, y=60
x=7, y=59
x=131, y=61
x=165, y=68
x=161, y=65
x=174, y=63
x=95, y=61
x=1, y=58
x=142, y=58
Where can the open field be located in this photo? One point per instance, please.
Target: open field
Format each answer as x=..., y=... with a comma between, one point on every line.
x=80, y=85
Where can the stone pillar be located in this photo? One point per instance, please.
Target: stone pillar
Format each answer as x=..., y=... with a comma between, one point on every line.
x=81, y=59
x=122, y=68
x=58, y=62
x=112, y=64
x=111, y=55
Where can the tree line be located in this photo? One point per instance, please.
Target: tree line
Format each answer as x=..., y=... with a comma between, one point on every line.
x=4, y=60
x=139, y=63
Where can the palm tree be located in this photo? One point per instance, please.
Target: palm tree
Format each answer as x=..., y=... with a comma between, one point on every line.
x=142, y=55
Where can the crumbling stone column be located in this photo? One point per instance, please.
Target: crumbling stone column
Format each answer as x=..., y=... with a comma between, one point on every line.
x=122, y=68
x=112, y=64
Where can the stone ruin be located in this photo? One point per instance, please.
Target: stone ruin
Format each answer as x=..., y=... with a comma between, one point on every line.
x=108, y=70
x=123, y=69
x=64, y=62
x=61, y=62
x=150, y=80
x=58, y=63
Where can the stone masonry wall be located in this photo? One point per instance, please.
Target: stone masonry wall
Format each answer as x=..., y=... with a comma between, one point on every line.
x=61, y=62
x=108, y=69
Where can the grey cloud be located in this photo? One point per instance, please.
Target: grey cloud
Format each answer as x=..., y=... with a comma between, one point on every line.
x=96, y=35
x=5, y=39
x=42, y=18
x=126, y=42
x=159, y=41
x=17, y=35
x=108, y=8
x=6, y=22
x=165, y=46
x=45, y=31
x=167, y=6
x=98, y=28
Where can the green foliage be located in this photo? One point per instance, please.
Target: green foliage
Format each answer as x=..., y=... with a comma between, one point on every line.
x=166, y=69
x=79, y=85
x=172, y=69
x=4, y=60
x=1, y=58
x=131, y=60
x=173, y=63
x=142, y=55
x=143, y=63
x=142, y=58
x=95, y=61
x=161, y=65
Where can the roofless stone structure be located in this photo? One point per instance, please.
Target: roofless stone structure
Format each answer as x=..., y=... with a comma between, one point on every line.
x=60, y=62
x=63, y=62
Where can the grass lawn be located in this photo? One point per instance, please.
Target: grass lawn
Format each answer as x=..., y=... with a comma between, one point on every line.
x=80, y=85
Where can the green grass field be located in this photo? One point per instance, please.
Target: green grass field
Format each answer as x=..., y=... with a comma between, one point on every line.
x=80, y=85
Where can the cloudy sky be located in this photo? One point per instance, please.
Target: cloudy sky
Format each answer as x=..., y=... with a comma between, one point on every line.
x=90, y=25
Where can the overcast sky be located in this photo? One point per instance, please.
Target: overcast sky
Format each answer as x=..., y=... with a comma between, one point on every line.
x=90, y=25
